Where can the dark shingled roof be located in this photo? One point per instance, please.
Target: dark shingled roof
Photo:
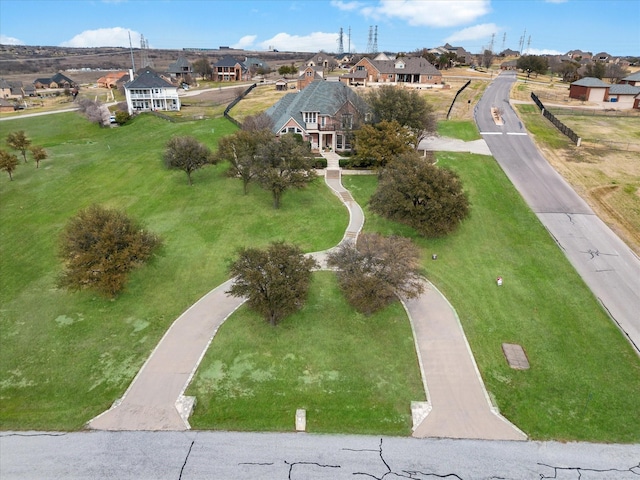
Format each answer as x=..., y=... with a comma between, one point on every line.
x=147, y=78
x=322, y=96
x=590, y=82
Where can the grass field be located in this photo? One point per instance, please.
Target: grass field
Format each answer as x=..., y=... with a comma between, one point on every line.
x=353, y=374
x=66, y=357
x=584, y=380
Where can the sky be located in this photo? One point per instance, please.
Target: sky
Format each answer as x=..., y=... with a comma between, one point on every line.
x=529, y=26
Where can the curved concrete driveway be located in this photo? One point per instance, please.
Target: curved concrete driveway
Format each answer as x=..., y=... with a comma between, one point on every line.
x=459, y=405
x=607, y=265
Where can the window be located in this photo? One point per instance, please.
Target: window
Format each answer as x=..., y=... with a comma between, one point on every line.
x=309, y=74
x=360, y=68
x=347, y=120
x=310, y=117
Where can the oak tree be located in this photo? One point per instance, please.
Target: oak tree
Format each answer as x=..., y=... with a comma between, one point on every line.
x=284, y=163
x=426, y=197
x=376, y=144
x=99, y=247
x=187, y=154
x=19, y=141
x=8, y=162
x=274, y=280
x=377, y=270
x=405, y=106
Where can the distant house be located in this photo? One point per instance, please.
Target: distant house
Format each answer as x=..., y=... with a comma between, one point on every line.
x=415, y=71
x=56, y=81
x=324, y=113
x=255, y=65
x=322, y=60
x=5, y=88
x=633, y=79
x=6, y=106
x=180, y=68
x=579, y=55
x=150, y=92
x=228, y=69
x=624, y=95
x=111, y=79
x=309, y=74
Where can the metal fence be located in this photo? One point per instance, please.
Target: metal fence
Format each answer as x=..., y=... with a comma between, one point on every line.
x=234, y=103
x=557, y=123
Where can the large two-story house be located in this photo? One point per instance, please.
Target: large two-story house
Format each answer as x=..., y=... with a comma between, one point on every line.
x=228, y=69
x=414, y=71
x=324, y=113
x=150, y=92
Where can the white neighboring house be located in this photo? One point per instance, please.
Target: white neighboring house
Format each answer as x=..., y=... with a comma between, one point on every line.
x=150, y=92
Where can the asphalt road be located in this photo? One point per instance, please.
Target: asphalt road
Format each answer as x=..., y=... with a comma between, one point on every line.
x=606, y=264
x=289, y=456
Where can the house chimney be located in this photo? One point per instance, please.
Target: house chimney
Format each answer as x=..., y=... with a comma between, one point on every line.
x=131, y=74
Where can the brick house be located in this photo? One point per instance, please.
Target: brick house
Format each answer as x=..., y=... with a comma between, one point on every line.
x=324, y=113
x=228, y=69
x=180, y=68
x=308, y=75
x=56, y=81
x=625, y=95
x=416, y=71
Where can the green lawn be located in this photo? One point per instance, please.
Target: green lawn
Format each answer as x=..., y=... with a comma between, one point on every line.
x=66, y=356
x=353, y=374
x=584, y=381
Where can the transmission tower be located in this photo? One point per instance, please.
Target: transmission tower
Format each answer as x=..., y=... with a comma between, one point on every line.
x=529, y=43
x=370, y=41
x=349, y=50
x=375, y=40
x=145, y=61
x=521, y=43
x=493, y=37
x=504, y=41
x=340, y=42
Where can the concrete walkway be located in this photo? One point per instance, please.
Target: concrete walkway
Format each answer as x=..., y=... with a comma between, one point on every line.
x=458, y=407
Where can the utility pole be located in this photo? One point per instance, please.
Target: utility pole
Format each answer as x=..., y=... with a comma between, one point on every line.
x=349, y=49
x=133, y=63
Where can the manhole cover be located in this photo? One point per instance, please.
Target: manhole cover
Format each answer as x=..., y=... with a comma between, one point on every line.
x=515, y=355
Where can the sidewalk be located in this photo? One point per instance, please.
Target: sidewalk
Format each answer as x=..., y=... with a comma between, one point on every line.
x=458, y=404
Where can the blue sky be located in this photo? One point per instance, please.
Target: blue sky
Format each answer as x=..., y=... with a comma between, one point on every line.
x=547, y=26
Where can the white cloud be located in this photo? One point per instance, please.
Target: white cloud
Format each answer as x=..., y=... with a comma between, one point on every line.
x=245, y=42
x=541, y=51
x=346, y=6
x=5, y=40
x=432, y=13
x=308, y=43
x=104, y=37
x=477, y=32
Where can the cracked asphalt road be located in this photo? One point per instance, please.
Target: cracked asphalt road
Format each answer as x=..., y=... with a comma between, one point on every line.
x=298, y=456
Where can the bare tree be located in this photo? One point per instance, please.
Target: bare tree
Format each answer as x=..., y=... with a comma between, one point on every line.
x=187, y=154
x=8, y=162
x=19, y=141
x=39, y=154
